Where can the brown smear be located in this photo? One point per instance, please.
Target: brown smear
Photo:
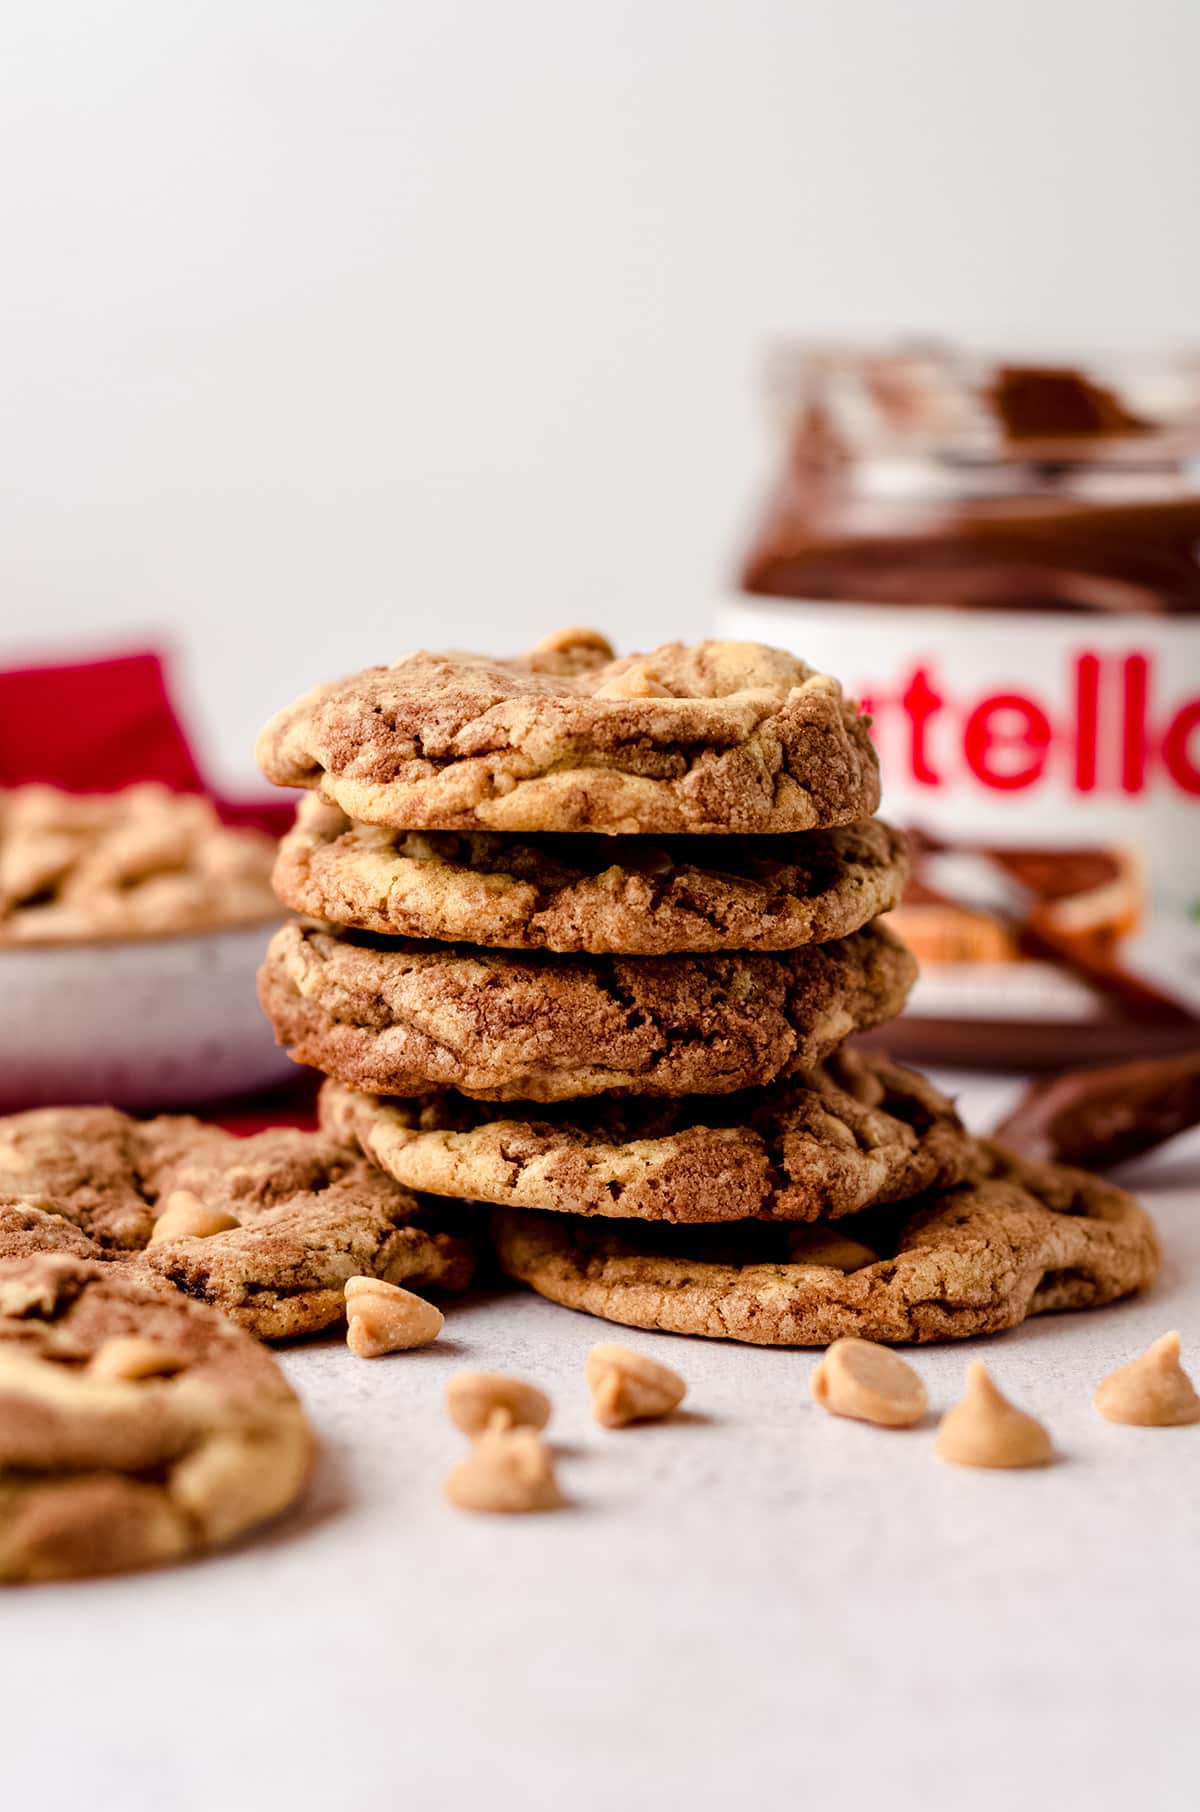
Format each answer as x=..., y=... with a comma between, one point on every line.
x=1098, y=1118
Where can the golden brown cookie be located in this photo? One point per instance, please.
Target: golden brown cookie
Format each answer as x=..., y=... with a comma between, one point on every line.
x=722, y=736
x=136, y=1427
x=402, y=1018
x=828, y=1142
x=137, y=863
x=308, y=1213
x=1023, y=1239
x=633, y=896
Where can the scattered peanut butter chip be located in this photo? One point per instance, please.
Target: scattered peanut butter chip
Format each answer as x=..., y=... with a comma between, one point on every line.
x=508, y=1471
x=628, y=1387
x=185, y=1216
x=985, y=1429
x=1153, y=1391
x=127, y=1358
x=825, y=1246
x=383, y=1318
x=479, y=1400
x=870, y=1383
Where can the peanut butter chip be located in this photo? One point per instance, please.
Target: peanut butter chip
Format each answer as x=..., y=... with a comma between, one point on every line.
x=627, y=1387
x=383, y=1318
x=185, y=1216
x=131, y=1357
x=575, y=640
x=479, y=1400
x=508, y=1471
x=985, y=1429
x=870, y=1383
x=1151, y=1392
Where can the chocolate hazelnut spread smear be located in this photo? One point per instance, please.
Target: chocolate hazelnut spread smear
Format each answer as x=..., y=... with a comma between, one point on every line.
x=1099, y=1118
x=1002, y=561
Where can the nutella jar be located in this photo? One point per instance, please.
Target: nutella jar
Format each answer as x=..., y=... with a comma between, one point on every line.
x=1002, y=563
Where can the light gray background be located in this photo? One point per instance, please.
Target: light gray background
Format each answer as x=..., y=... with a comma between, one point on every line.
x=333, y=328
x=758, y=1606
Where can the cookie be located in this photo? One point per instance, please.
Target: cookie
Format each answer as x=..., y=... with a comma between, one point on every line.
x=402, y=1018
x=1020, y=1240
x=718, y=737
x=136, y=1427
x=827, y=1143
x=142, y=862
x=309, y=1211
x=630, y=896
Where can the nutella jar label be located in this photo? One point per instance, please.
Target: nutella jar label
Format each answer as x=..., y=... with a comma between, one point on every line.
x=1047, y=766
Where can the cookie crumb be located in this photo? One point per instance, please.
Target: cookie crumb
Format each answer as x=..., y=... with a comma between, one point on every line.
x=985, y=1429
x=628, y=1387
x=869, y=1383
x=508, y=1471
x=383, y=1318
x=1153, y=1391
x=476, y=1401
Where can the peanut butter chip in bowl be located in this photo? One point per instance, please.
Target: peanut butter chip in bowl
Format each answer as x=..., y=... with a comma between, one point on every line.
x=383, y=1318
x=476, y=1401
x=508, y=1471
x=1153, y=1391
x=628, y=1387
x=985, y=1429
x=869, y=1383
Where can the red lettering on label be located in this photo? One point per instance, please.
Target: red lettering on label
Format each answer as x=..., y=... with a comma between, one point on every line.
x=921, y=703
x=1087, y=711
x=984, y=737
x=1176, y=750
x=1135, y=689
x=1008, y=739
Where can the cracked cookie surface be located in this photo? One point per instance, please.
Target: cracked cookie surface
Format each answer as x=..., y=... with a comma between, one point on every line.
x=715, y=737
x=1019, y=1240
x=600, y=895
x=401, y=1018
x=310, y=1212
x=104, y=1468
x=857, y=1130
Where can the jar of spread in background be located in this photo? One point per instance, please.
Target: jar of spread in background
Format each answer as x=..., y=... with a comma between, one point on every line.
x=1002, y=562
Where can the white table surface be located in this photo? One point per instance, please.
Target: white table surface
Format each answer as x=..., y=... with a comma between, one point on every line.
x=754, y=1603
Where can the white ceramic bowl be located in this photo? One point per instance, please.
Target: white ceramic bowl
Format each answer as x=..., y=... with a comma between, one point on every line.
x=144, y=1023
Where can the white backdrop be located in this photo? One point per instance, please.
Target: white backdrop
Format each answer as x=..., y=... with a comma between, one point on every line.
x=332, y=328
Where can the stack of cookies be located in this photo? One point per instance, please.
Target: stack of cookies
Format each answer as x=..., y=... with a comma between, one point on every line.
x=585, y=938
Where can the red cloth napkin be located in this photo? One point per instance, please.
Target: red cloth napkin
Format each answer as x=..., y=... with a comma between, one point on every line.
x=96, y=726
